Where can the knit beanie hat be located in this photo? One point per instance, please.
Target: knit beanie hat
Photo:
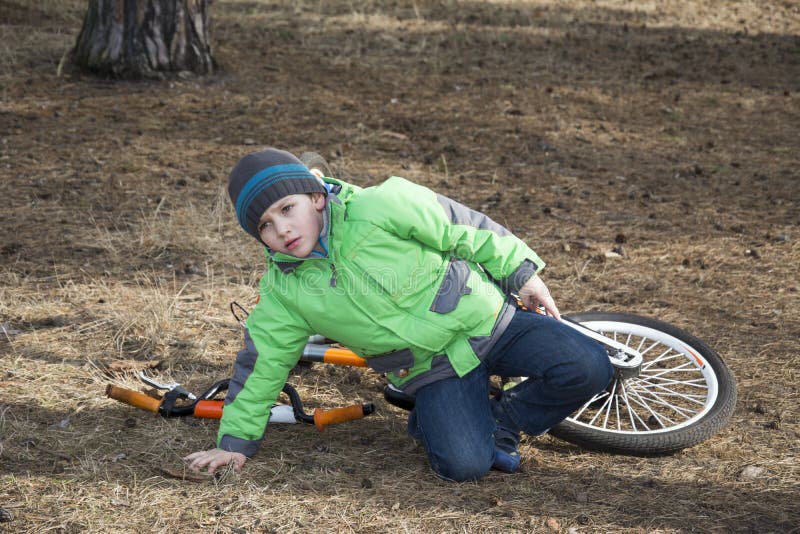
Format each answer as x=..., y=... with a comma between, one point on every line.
x=261, y=178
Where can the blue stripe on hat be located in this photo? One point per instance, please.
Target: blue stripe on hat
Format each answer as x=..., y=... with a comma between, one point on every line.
x=262, y=185
x=263, y=179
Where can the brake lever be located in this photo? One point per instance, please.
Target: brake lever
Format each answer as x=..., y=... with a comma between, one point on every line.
x=172, y=386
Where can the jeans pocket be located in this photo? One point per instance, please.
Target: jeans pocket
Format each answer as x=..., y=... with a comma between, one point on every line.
x=453, y=287
x=391, y=361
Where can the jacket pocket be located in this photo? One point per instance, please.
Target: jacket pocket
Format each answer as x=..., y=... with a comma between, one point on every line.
x=391, y=361
x=453, y=287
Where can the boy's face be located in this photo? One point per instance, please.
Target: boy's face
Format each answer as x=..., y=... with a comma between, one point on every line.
x=292, y=224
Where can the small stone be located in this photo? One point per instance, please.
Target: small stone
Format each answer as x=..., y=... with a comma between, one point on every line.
x=553, y=524
x=249, y=142
x=5, y=516
x=64, y=423
x=366, y=483
x=752, y=472
x=651, y=286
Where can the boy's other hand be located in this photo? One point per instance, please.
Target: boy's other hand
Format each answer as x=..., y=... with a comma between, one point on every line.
x=534, y=293
x=214, y=459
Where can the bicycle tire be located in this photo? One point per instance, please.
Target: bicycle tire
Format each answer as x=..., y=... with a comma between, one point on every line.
x=312, y=160
x=612, y=421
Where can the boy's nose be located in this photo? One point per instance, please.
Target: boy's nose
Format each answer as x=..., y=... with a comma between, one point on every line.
x=281, y=228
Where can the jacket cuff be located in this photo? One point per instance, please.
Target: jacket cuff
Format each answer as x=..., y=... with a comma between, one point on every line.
x=233, y=444
x=513, y=282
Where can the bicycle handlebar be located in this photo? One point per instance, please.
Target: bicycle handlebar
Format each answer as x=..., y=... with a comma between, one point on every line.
x=323, y=418
x=212, y=409
x=134, y=398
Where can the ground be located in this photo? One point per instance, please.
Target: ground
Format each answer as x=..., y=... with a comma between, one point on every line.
x=666, y=132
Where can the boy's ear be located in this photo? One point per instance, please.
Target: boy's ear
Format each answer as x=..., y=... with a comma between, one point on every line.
x=318, y=201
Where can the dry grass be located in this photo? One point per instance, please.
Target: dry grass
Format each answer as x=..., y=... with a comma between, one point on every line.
x=669, y=125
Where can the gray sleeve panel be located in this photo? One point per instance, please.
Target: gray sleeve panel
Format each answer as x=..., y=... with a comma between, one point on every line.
x=393, y=361
x=460, y=214
x=453, y=286
x=245, y=361
x=483, y=344
x=244, y=446
x=440, y=369
x=511, y=284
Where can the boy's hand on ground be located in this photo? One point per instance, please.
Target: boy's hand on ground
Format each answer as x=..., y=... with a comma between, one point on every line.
x=214, y=459
x=534, y=293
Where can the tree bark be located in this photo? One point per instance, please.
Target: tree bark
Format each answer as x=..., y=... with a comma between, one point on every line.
x=145, y=38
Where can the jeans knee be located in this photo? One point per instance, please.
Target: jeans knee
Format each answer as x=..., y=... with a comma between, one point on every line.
x=462, y=469
x=588, y=374
x=599, y=370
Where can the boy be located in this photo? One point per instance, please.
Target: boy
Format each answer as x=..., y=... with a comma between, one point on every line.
x=418, y=285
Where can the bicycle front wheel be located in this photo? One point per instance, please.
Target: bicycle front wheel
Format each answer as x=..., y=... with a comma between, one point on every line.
x=683, y=394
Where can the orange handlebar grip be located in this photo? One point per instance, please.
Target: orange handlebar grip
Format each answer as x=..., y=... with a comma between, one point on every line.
x=343, y=357
x=323, y=418
x=208, y=409
x=134, y=398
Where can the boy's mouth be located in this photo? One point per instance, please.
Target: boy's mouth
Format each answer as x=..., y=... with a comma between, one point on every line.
x=292, y=243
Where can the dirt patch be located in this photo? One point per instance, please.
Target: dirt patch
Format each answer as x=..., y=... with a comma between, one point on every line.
x=666, y=132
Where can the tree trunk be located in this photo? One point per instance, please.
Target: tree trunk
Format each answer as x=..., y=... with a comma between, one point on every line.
x=145, y=38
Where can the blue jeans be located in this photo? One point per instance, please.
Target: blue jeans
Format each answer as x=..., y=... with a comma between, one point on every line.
x=453, y=418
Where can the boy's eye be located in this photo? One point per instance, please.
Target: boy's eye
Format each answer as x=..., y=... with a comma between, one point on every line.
x=286, y=208
x=263, y=226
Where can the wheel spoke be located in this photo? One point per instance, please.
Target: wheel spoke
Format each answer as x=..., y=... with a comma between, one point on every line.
x=667, y=392
x=629, y=405
x=592, y=401
x=640, y=401
x=648, y=349
x=647, y=365
x=695, y=382
x=612, y=398
x=624, y=390
x=654, y=398
x=658, y=358
x=601, y=409
x=680, y=368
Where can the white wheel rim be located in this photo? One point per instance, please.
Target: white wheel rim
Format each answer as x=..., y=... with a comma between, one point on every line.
x=676, y=386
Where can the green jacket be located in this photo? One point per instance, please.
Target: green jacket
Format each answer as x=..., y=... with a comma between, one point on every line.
x=414, y=282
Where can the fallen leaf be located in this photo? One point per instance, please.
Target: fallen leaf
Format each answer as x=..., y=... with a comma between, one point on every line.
x=553, y=524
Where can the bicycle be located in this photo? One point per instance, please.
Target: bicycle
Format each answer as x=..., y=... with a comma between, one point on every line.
x=670, y=390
